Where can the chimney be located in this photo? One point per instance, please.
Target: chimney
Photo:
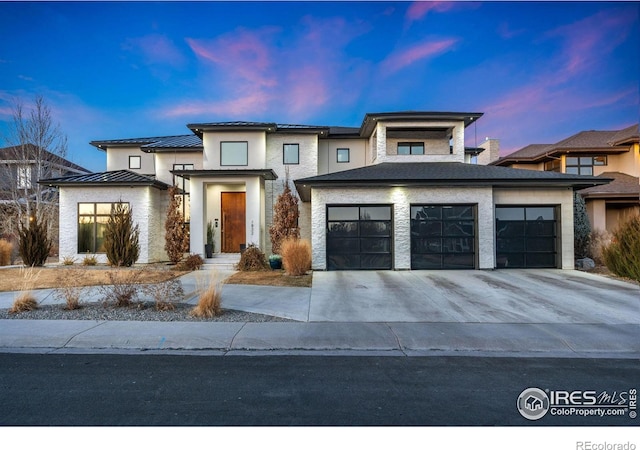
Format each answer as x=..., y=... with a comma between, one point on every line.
x=491, y=151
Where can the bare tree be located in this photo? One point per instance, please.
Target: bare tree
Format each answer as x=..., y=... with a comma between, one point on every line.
x=35, y=150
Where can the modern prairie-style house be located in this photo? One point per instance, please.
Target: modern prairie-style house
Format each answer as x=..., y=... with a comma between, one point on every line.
x=610, y=154
x=399, y=192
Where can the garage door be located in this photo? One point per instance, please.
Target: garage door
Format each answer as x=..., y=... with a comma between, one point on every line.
x=359, y=237
x=443, y=236
x=526, y=236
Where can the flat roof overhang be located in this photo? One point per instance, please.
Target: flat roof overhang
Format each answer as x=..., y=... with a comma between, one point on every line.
x=265, y=174
x=370, y=119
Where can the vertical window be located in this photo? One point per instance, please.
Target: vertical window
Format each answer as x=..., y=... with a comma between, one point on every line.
x=552, y=166
x=234, y=153
x=411, y=148
x=92, y=223
x=135, y=162
x=343, y=155
x=291, y=153
x=24, y=177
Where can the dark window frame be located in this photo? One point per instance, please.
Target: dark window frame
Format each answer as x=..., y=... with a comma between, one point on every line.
x=338, y=155
x=580, y=164
x=411, y=146
x=133, y=158
x=182, y=183
x=284, y=153
x=235, y=142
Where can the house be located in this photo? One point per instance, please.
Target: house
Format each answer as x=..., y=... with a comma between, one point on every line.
x=20, y=168
x=394, y=193
x=609, y=154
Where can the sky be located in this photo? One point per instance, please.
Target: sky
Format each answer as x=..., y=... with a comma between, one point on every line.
x=539, y=71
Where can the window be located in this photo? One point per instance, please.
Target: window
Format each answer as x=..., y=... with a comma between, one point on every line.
x=291, y=153
x=411, y=148
x=24, y=177
x=552, y=166
x=343, y=155
x=134, y=162
x=234, y=153
x=185, y=196
x=92, y=223
x=583, y=165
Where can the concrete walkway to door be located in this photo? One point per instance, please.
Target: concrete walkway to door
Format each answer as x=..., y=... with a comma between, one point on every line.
x=501, y=296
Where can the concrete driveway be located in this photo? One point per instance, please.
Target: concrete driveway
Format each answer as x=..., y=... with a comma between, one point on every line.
x=500, y=296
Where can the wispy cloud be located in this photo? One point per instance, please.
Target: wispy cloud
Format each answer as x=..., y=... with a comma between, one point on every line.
x=400, y=59
x=156, y=49
x=418, y=10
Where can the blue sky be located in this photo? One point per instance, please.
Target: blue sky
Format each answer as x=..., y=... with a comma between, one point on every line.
x=539, y=71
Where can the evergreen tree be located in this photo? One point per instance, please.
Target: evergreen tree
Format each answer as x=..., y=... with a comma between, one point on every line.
x=34, y=244
x=121, y=237
x=581, y=227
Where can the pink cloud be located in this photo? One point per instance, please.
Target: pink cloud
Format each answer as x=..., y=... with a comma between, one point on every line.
x=400, y=59
x=250, y=104
x=417, y=10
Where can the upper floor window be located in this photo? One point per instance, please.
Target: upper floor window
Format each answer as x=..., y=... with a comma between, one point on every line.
x=343, y=155
x=583, y=165
x=411, y=148
x=553, y=166
x=291, y=153
x=24, y=177
x=234, y=153
x=135, y=162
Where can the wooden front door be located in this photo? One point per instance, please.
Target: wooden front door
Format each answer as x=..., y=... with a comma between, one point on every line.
x=233, y=221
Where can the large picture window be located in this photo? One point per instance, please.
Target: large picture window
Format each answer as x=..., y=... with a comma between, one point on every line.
x=234, y=153
x=92, y=223
x=583, y=165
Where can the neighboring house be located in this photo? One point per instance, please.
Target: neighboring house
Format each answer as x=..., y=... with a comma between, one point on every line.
x=394, y=193
x=20, y=167
x=608, y=154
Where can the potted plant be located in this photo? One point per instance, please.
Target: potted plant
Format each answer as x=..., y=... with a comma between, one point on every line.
x=275, y=261
x=209, y=247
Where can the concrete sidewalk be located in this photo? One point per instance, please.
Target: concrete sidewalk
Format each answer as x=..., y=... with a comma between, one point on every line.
x=558, y=328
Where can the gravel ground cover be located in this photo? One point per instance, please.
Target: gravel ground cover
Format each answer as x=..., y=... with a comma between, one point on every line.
x=142, y=311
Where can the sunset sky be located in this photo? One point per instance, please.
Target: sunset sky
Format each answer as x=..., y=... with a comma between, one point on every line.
x=538, y=71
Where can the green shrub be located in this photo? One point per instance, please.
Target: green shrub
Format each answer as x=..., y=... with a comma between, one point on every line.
x=622, y=256
x=252, y=260
x=296, y=256
x=6, y=248
x=34, y=243
x=121, y=237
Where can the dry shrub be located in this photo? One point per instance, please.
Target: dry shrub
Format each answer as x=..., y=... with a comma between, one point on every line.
x=296, y=256
x=69, y=291
x=6, y=248
x=123, y=287
x=69, y=260
x=252, y=260
x=25, y=300
x=191, y=263
x=598, y=240
x=165, y=294
x=209, y=297
x=622, y=256
x=90, y=260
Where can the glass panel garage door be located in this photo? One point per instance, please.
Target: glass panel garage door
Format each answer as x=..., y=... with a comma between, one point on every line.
x=443, y=237
x=526, y=236
x=359, y=237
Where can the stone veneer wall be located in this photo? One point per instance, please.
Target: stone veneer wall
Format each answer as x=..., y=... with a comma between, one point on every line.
x=402, y=198
x=149, y=209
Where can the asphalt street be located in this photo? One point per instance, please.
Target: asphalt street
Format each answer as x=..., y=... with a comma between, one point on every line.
x=165, y=390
